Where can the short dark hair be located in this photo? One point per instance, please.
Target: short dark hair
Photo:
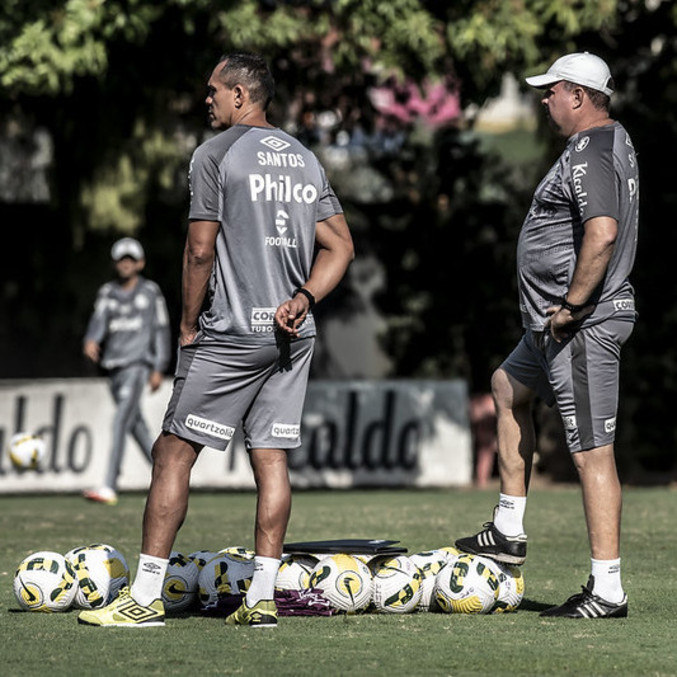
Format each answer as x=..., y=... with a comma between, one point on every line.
x=250, y=70
x=599, y=100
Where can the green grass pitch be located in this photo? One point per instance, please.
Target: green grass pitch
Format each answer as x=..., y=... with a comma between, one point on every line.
x=417, y=644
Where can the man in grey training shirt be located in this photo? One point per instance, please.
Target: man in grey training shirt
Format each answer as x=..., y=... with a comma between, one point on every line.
x=267, y=239
x=574, y=255
x=128, y=335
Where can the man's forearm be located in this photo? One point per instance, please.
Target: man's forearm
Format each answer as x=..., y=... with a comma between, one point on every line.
x=196, y=273
x=328, y=270
x=593, y=259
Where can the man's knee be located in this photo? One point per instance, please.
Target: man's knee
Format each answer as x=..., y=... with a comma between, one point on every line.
x=600, y=460
x=508, y=393
x=172, y=453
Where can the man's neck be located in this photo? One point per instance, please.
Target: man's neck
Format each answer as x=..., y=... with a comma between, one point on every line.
x=253, y=117
x=129, y=283
x=592, y=122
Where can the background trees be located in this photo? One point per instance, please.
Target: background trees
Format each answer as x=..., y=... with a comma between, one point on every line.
x=111, y=92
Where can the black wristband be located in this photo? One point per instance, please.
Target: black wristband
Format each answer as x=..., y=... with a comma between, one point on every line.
x=572, y=308
x=307, y=294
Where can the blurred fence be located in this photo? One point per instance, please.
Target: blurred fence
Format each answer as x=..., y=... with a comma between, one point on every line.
x=355, y=433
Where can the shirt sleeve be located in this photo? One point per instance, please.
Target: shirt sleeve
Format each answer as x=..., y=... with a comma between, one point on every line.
x=328, y=204
x=97, y=328
x=161, y=334
x=205, y=186
x=593, y=181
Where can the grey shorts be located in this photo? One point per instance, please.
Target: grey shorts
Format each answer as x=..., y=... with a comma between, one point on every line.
x=580, y=375
x=219, y=385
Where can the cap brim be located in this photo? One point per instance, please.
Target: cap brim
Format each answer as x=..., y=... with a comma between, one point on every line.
x=541, y=81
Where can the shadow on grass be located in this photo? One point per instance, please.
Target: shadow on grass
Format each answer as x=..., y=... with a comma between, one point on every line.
x=533, y=605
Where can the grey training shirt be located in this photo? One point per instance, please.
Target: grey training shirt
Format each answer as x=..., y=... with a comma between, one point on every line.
x=596, y=175
x=132, y=325
x=267, y=191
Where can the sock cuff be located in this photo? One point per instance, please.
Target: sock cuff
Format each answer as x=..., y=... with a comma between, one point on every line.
x=152, y=558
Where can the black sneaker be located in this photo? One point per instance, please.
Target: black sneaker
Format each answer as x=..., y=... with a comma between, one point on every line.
x=588, y=605
x=490, y=542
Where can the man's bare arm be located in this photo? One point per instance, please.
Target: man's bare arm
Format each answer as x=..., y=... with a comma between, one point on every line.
x=198, y=259
x=593, y=259
x=335, y=253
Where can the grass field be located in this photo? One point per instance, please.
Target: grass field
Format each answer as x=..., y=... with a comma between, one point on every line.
x=417, y=644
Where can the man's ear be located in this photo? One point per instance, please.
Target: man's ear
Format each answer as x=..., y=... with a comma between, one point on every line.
x=239, y=94
x=577, y=97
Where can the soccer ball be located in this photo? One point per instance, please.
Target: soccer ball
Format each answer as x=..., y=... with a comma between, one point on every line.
x=179, y=591
x=467, y=586
x=223, y=576
x=27, y=451
x=396, y=585
x=429, y=563
x=294, y=572
x=344, y=580
x=101, y=571
x=201, y=557
x=45, y=581
x=510, y=588
x=238, y=552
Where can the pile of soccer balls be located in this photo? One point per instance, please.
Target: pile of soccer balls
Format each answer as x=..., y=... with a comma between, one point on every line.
x=86, y=577
x=442, y=580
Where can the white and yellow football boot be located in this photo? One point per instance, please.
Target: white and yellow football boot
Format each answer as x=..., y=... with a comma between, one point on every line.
x=125, y=612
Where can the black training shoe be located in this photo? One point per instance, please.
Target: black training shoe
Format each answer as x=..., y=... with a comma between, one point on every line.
x=588, y=605
x=490, y=542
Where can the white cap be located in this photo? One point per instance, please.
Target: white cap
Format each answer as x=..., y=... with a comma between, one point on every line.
x=581, y=68
x=127, y=246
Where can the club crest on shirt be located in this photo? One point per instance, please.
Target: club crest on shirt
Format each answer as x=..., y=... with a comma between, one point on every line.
x=582, y=144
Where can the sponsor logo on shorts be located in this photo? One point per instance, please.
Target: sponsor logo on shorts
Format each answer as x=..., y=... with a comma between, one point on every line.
x=569, y=422
x=286, y=430
x=624, y=304
x=212, y=428
x=610, y=425
x=262, y=320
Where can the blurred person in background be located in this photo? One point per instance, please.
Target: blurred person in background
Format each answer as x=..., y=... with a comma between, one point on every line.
x=575, y=252
x=128, y=336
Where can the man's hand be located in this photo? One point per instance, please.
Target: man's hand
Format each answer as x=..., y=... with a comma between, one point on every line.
x=155, y=380
x=561, y=322
x=92, y=351
x=290, y=315
x=187, y=336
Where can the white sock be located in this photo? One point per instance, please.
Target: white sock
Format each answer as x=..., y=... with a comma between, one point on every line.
x=150, y=577
x=607, y=579
x=263, y=581
x=509, y=516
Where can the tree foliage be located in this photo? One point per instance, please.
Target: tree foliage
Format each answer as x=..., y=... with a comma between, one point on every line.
x=119, y=86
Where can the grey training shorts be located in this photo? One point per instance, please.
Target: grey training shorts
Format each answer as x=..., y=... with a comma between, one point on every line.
x=217, y=385
x=580, y=374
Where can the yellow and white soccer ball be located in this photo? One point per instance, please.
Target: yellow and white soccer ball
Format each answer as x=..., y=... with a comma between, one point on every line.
x=201, y=557
x=26, y=451
x=510, y=588
x=467, y=586
x=238, y=552
x=430, y=563
x=396, y=585
x=222, y=576
x=294, y=572
x=45, y=581
x=344, y=580
x=101, y=571
x=179, y=591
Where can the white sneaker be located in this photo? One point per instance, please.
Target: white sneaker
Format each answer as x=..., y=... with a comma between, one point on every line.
x=103, y=495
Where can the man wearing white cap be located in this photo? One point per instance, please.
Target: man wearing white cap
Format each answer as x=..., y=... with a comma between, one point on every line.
x=128, y=335
x=574, y=255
